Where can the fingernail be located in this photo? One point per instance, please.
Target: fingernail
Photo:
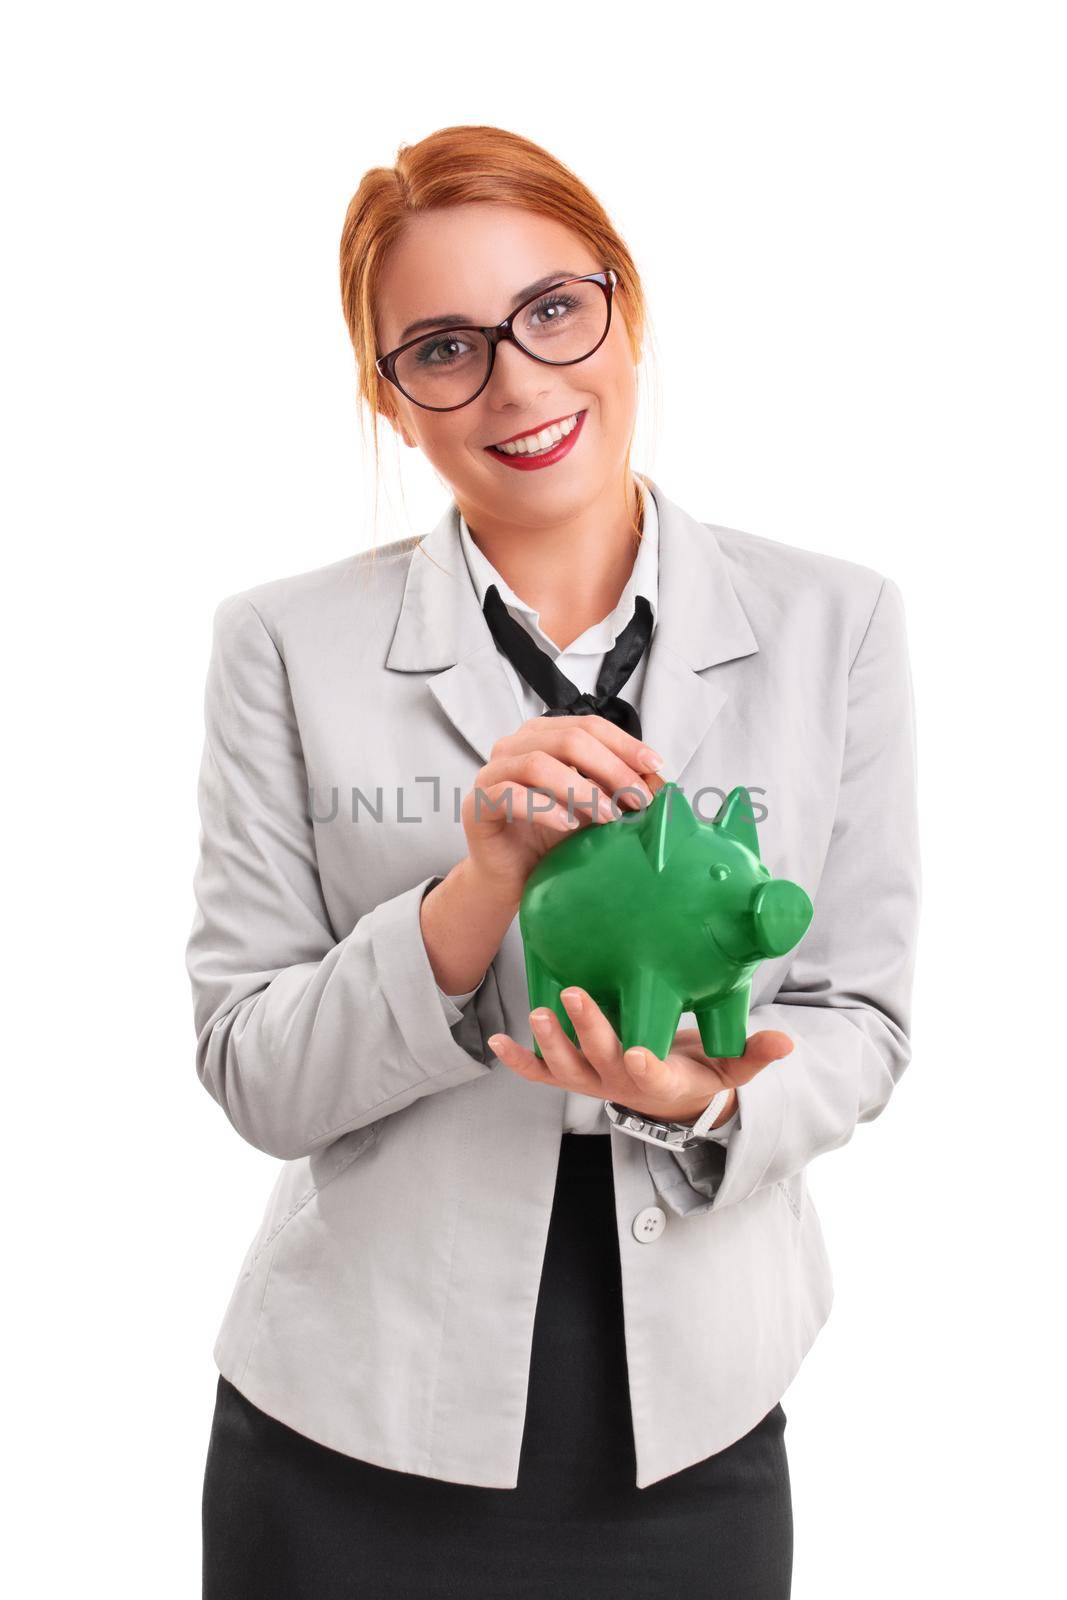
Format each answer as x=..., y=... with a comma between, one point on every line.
x=651, y=760
x=573, y=999
x=539, y=1018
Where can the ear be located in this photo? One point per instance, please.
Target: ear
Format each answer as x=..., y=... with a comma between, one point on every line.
x=665, y=824
x=736, y=817
x=399, y=429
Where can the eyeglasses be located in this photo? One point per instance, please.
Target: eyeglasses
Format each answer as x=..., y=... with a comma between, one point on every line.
x=450, y=366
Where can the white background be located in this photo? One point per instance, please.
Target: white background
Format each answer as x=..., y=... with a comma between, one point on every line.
x=871, y=200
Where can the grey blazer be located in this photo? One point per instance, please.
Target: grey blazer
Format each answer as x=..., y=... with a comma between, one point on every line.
x=386, y=1304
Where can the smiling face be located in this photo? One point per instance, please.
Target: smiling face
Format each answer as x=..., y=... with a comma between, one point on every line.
x=478, y=260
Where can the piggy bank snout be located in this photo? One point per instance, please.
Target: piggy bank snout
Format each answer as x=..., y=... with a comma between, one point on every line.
x=782, y=913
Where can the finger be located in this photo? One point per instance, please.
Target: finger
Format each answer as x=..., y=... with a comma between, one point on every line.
x=568, y=1064
x=600, y=1044
x=574, y=741
x=541, y=771
x=501, y=803
x=634, y=753
x=520, y=1060
x=650, y=1078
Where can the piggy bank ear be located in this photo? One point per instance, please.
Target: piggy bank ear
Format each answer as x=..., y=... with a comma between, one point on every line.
x=664, y=825
x=736, y=817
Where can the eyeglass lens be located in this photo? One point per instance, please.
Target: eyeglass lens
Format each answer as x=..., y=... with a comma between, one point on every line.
x=448, y=366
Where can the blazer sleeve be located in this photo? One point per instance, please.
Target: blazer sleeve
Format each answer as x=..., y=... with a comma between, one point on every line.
x=847, y=995
x=302, y=1036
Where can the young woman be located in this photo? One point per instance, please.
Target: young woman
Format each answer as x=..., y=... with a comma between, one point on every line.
x=519, y=1321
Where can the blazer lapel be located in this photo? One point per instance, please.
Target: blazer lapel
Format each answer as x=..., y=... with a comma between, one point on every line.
x=441, y=630
x=699, y=625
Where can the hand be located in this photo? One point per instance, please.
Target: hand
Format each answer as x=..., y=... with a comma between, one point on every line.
x=509, y=817
x=677, y=1089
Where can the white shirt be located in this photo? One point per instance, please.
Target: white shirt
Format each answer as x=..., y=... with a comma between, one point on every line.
x=580, y=662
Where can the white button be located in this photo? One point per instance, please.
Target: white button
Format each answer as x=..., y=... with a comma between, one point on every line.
x=649, y=1224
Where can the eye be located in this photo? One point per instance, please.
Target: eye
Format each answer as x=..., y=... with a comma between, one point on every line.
x=441, y=351
x=719, y=871
x=546, y=309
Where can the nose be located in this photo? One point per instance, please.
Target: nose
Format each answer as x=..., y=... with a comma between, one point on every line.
x=782, y=913
x=517, y=377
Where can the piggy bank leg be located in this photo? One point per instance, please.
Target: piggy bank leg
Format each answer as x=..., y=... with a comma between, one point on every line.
x=544, y=991
x=649, y=1013
x=723, y=1026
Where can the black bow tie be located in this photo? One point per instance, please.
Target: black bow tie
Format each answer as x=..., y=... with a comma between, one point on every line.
x=561, y=696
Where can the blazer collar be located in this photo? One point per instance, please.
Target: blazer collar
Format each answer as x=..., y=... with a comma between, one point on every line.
x=700, y=624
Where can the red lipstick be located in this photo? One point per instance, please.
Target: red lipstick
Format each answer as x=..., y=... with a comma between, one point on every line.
x=548, y=458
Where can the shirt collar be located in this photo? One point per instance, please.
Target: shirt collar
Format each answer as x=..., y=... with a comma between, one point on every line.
x=599, y=638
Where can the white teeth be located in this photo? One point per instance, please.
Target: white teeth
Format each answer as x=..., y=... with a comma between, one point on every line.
x=532, y=444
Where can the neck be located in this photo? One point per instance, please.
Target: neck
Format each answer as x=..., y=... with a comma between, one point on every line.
x=571, y=572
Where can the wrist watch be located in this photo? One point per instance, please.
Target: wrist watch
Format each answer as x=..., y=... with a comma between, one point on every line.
x=676, y=1135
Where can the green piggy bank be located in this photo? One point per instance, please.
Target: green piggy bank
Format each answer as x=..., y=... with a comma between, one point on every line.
x=656, y=913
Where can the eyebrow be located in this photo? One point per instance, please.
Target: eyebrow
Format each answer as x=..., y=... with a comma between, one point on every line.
x=453, y=319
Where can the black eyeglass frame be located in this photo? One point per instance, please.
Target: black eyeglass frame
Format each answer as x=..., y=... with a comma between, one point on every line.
x=386, y=365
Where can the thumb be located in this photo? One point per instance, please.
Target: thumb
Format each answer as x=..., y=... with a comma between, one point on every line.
x=760, y=1050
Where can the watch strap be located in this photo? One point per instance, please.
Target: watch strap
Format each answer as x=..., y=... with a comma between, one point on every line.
x=713, y=1109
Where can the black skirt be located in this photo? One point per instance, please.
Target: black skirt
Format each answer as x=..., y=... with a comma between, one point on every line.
x=286, y=1518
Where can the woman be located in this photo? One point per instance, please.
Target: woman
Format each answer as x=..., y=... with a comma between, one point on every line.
x=497, y=1333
